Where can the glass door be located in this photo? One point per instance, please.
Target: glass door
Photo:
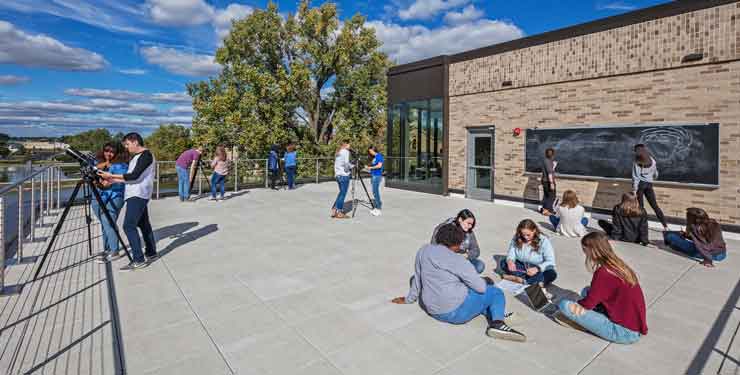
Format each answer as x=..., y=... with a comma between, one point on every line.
x=479, y=182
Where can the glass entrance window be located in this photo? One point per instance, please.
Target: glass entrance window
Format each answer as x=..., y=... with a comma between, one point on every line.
x=415, y=139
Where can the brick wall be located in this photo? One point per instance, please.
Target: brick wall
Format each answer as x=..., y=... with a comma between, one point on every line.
x=652, y=45
x=697, y=94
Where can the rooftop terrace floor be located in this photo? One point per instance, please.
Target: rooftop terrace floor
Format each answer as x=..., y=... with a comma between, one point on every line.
x=266, y=283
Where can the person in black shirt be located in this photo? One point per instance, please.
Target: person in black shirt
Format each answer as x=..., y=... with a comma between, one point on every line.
x=629, y=221
x=548, y=182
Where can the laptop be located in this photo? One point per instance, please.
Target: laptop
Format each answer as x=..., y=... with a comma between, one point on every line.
x=539, y=301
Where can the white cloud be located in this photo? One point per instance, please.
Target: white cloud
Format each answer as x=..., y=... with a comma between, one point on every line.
x=180, y=12
x=426, y=9
x=182, y=109
x=617, y=5
x=106, y=94
x=468, y=14
x=9, y=80
x=223, y=17
x=135, y=72
x=181, y=62
x=39, y=50
x=172, y=97
x=112, y=15
x=410, y=43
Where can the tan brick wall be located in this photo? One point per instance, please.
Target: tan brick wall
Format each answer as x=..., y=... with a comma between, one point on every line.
x=652, y=45
x=696, y=94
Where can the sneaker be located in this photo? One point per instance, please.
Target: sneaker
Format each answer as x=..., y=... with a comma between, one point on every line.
x=511, y=318
x=504, y=332
x=150, y=259
x=564, y=321
x=341, y=215
x=134, y=266
x=375, y=212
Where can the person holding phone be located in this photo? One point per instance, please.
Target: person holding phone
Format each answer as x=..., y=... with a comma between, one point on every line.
x=531, y=258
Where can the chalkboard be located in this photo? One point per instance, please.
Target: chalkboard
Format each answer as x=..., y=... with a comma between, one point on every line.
x=684, y=153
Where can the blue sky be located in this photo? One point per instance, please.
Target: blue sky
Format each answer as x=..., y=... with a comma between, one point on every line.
x=71, y=65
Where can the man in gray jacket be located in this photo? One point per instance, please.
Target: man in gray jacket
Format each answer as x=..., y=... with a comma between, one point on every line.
x=450, y=290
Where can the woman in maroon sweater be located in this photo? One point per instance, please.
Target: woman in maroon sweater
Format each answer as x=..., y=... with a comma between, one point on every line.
x=613, y=308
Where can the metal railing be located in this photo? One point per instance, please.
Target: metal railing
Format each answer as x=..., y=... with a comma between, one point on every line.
x=24, y=206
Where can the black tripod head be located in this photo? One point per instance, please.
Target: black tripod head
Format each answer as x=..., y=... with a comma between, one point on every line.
x=88, y=167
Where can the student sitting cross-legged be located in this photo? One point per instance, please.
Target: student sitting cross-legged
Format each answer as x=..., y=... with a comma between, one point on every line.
x=466, y=221
x=613, y=307
x=701, y=240
x=531, y=258
x=629, y=221
x=450, y=290
x=569, y=219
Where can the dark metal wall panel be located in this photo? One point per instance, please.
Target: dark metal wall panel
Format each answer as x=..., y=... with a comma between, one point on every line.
x=416, y=85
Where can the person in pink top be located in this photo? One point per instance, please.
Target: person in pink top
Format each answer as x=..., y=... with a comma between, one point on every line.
x=220, y=165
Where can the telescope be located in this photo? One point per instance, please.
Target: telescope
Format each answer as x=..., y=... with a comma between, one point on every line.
x=88, y=165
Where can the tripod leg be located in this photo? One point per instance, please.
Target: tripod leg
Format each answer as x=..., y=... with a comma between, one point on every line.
x=58, y=227
x=355, y=201
x=364, y=187
x=88, y=219
x=112, y=222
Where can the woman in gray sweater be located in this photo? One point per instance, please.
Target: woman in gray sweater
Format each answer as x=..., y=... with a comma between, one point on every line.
x=448, y=288
x=465, y=220
x=644, y=172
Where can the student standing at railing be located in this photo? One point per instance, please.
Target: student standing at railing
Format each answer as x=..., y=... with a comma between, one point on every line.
x=110, y=159
x=186, y=165
x=273, y=165
x=139, y=180
x=291, y=164
x=220, y=165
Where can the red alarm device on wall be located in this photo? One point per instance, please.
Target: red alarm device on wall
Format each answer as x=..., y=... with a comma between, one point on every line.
x=517, y=131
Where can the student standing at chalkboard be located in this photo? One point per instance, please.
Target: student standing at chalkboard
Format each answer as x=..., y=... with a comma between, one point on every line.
x=548, y=182
x=644, y=172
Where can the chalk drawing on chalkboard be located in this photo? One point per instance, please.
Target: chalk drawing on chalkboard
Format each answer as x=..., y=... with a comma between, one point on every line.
x=672, y=146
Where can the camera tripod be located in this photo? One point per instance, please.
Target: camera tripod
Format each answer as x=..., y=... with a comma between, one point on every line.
x=90, y=191
x=199, y=167
x=355, y=200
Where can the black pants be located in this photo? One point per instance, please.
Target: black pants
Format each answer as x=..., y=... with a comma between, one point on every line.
x=607, y=227
x=137, y=217
x=645, y=190
x=548, y=196
x=274, y=175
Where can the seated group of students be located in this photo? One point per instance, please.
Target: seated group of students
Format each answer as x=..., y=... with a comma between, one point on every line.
x=449, y=287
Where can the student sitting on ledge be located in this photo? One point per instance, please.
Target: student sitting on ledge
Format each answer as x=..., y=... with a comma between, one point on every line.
x=531, y=258
x=569, y=217
x=629, y=221
x=466, y=221
x=613, y=308
x=450, y=290
x=701, y=240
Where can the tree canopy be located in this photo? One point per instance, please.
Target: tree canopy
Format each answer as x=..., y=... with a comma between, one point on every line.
x=168, y=141
x=91, y=140
x=307, y=78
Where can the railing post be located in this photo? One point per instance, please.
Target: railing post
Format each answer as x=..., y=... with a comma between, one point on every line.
x=20, y=223
x=41, y=198
x=266, y=178
x=200, y=183
x=236, y=175
x=59, y=186
x=33, y=209
x=2, y=245
x=157, y=175
x=50, y=191
x=317, y=170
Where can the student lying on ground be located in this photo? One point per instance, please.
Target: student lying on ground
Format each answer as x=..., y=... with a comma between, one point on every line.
x=629, y=221
x=466, y=221
x=531, y=258
x=613, y=307
x=701, y=240
x=448, y=288
x=569, y=217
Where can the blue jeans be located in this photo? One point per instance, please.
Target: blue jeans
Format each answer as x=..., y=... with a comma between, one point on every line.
x=492, y=304
x=343, y=182
x=554, y=220
x=113, y=206
x=376, y=180
x=478, y=264
x=218, y=183
x=685, y=246
x=137, y=217
x=183, y=182
x=547, y=276
x=599, y=324
x=290, y=171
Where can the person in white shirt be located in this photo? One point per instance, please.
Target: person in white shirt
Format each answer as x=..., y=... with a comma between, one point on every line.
x=569, y=219
x=644, y=173
x=342, y=172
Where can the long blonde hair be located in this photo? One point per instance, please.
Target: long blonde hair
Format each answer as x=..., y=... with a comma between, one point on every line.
x=630, y=206
x=599, y=253
x=570, y=199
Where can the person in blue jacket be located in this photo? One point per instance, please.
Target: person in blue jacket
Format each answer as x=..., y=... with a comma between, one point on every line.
x=273, y=165
x=113, y=160
x=291, y=164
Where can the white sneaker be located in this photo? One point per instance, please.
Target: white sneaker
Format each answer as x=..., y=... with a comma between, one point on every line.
x=376, y=212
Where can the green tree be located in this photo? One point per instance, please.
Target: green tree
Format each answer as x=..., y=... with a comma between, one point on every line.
x=168, y=141
x=91, y=140
x=306, y=78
